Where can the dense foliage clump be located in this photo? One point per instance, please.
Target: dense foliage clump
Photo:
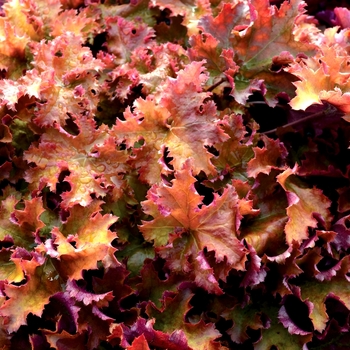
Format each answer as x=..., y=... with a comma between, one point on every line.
x=174, y=175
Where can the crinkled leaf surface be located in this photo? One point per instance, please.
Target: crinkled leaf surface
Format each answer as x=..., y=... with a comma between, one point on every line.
x=213, y=227
x=317, y=292
x=30, y=297
x=306, y=207
x=87, y=158
x=199, y=335
x=270, y=34
x=21, y=225
x=175, y=122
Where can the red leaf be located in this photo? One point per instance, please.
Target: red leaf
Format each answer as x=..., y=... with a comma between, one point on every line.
x=139, y=343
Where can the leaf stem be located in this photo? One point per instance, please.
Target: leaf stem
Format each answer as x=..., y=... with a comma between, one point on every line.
x=328, y=111
x=212, y=87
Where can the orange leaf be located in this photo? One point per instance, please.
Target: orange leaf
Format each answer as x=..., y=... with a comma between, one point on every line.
x=307, y=207
x=60, y=151
x=30, y=297
x=179, y=207
x=139, y=343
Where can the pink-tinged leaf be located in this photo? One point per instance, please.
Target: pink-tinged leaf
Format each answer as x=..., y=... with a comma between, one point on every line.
x=233, y=16
x=82, y=23
x=11, y=91
x=276, y=335
x=342, y=15
x=296, y=322
x=218, y=61
x=204, y=275
x=181, y=123
x=21, y=15
x=256, y=273
x=174, y=341
x=307, y=207
x=139, y=343
x=342, y=239
x=80, y=294
x=269, y=34
x=271, y=156
x=124, y=36
x=66, y=61
x=163, y=61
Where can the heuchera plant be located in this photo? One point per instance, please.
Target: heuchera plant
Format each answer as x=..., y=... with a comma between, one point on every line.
x=174, y=175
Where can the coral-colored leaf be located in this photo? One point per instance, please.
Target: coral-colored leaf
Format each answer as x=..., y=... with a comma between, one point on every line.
x=60, y=151
x=21, y=14
x=266, y=158
x=181, y=121
x=233, y=16
x=83, y=240
x=192, y=121
x=88, y=225
x=307, y=207
x=270, y=34
x=323, y=77
x=79, y=23
x=74, y=261
x=124, y=36
x=213, y=227
x=28, y=218
x=139, y=343
x=176, y=340
x=30, y=297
